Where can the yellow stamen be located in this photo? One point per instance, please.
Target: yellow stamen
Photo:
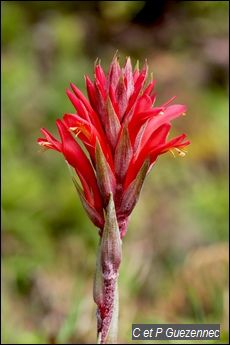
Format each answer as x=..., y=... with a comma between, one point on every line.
x=44, y=143
x=96, y=62
x=171, y=151
x=79, y=130
x=181, y=152
x=75, y=131
x=73, y=128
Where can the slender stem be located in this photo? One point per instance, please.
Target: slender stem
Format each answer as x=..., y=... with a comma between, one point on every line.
x=105, y=290
x=108, y=321
x=113, y=330
x=107, y=299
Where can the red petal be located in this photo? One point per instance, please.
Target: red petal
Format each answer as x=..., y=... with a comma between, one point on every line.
x=137, y=88
x=137, y=120
x=173, y=143
x=156, y=140
x=84, y=130
x=92, y=115
x=91, y=92
x=136, y=74
x=78, y=105
x=51, y=139
x=73, y=120
x=89, y=136
x=76, y=158
x=113, y=100
x=100, y=76
x=149, y=88
x=82, y=98
x=141, y=78
x=144, y=104
x=43, y=142
x=169, y=114
x=158, y=137
x=96, y=100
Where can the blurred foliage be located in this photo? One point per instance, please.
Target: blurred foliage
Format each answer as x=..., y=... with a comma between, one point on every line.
x=175, y=253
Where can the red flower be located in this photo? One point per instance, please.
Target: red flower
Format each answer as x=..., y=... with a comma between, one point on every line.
x=123, y=133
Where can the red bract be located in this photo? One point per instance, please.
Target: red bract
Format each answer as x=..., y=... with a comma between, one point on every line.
x=123, y=134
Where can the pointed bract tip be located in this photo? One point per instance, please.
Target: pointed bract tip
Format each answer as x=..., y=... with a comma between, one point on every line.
x=72, y=85
x=137, y=66
x=116, y=55
x=145, y=66
x=128, y=60
x=68, y=92
x=96, y=62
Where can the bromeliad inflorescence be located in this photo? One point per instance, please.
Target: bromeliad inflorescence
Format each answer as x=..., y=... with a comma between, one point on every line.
x=123, y=134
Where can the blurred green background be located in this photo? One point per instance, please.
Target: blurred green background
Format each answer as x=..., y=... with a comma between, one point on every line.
x=175, y=254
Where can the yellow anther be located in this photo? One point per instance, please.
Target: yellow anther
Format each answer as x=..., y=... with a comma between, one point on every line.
x=81, y=129
x=181, y=152
x=44, y=143
x=75, y=130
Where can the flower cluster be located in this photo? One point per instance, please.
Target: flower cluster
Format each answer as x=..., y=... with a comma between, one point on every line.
x=122, y=133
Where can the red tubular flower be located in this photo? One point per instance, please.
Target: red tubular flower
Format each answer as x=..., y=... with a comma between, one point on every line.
x=123, y=134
